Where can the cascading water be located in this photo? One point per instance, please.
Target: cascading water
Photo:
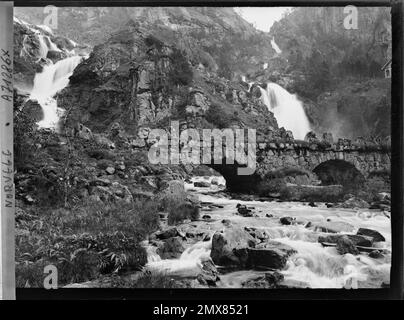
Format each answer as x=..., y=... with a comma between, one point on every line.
x=53, y=78
x=188, y=265
x=275, y=46
x=288, y=110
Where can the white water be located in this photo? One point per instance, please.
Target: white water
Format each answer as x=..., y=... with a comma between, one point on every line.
x=275, y=46
x=52, y=79
x=188, y=265
x=313, y=265
x=287, y=109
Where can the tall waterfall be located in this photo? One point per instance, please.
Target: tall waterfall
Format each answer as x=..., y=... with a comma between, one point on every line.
x=288, y=110
x=52, y=79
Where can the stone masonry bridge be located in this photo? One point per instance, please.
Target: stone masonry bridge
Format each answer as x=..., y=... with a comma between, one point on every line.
x=335, y=163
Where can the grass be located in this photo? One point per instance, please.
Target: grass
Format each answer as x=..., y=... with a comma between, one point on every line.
x=83, y=242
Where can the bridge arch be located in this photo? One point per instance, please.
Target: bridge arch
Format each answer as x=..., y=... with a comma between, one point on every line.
x=338, y=171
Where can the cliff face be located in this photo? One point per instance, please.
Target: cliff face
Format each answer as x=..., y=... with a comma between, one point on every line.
x=151, y=65
x=138, y=80
x=337, y=72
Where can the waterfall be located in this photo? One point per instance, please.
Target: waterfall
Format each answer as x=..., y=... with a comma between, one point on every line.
x=288, y=110
x=52, y=79
x=275, y=46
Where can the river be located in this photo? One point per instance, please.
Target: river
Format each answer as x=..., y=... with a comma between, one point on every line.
x=313, y=266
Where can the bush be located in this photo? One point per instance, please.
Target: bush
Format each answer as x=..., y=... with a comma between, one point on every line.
x=183, y=211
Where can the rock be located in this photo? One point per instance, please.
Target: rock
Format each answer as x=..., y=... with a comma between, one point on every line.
x=209, y=274
x=376, y=254
x=256, y=233
x=110, y=170
x=269, y=255
x=286, y=220
x=244, y=211
x=206, y=217
x=215, y=181
x=354, y=203
x=345, y=245
x=357, y=240
x=268, y=215
x=171, y=248
x=269, y=280
x=329, y=205
x=312, y=204
x=168, y=233
x=226, y=222
x=230, y=247
x=201, y=184
x=377, y=237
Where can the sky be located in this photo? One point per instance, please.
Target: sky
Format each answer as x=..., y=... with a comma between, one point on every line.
x=262, y=17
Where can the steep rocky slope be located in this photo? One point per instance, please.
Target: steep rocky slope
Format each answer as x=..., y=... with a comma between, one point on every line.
x=336, y=71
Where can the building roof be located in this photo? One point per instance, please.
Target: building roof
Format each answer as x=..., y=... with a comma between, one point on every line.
x=387, y=64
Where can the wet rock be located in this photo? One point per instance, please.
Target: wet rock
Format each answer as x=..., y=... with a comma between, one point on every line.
x=226, y=222
x=201, y=184
x=168, y=233
x=377, y=237
x=357, y=240
x=329, y=205
x=256, y=233
x=312, y=204
x=345, y=245
x=171, y=248
x=209, y=274
x=286, y=220
x=206, y=217
x=269, y=255
x=269, y=215
x=376, y=254
x=269, y=280
x=230, y=247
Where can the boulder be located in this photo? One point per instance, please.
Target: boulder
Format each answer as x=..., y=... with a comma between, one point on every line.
x=229, y=248
x=168, y=233
x=377, y=237
x=345, y=245
x=209, y=274
x=110, y=170
x=357, y=240
x=269, y=255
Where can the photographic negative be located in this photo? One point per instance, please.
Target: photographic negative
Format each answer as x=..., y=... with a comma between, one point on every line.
x=203, y=147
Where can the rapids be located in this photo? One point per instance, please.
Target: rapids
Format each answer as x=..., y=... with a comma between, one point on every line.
x=313, y=266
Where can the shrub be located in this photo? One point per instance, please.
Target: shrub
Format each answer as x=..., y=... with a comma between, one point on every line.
x=183, y=211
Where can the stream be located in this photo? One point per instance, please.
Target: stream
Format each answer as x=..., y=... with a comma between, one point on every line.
x=313, y=266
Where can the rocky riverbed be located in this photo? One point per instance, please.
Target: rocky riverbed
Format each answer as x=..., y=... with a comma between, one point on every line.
x=270, y=244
